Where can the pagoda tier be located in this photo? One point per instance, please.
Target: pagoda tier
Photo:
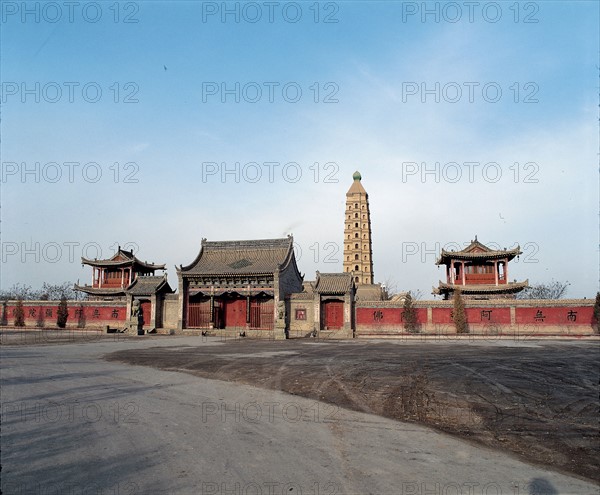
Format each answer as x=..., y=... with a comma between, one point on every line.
x=111, y=277
x=479, y=272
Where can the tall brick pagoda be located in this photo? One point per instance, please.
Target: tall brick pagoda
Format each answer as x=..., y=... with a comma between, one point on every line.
x=358, y=251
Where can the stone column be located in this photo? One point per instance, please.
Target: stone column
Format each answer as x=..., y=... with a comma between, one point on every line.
x=496, y=271
x=462, y=269
x=182, y=304
x=153, y=311
x=248, y=309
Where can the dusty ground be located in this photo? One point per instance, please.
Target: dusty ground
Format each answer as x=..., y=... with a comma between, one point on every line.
x=538, y=400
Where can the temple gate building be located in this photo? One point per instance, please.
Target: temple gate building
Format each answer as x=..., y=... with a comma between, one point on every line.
x=239, y=285
x=479, y=272
x=358, y=250
x=325, y=307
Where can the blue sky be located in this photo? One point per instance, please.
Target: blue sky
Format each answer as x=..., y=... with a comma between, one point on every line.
x=385, y=90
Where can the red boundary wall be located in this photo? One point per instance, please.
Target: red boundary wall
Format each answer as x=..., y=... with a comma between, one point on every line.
x=555, y=317
x=544, y=317
x=83, y=314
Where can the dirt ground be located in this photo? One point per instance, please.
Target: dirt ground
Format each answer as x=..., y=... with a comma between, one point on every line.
x=538, y=400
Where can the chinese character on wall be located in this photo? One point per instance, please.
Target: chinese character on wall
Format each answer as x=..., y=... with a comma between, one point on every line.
x=539, y=316
x=115, y=313
x=486, y=314
x=572, y=315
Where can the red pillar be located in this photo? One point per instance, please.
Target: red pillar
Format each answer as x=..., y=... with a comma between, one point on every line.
x=496, y=271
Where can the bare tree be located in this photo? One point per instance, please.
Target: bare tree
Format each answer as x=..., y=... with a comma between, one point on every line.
x=389, y=289
x=554, y=289
x=48, y=292
x=19, y=314
x=55, y=292
x=18, y=291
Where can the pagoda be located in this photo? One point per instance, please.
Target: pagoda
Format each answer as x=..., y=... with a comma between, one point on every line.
x=358, y=249
x=479, y=272
x=112, y=277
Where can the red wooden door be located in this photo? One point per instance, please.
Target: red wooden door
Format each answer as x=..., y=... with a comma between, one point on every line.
x=199, y=314
x=333, y=315
x=146, y=306
x=261, y=313
x=235, y=313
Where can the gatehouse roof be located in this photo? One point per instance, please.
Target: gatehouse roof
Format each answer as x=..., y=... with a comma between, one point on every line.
x=246, y=257
x=333, y=283
x=149, y=285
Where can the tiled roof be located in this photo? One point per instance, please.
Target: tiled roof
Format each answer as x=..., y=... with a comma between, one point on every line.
x=368, y=292
x=94, y=291
x=482, y=289
x=241, y=257
x=147, y=286
x=333, y=283
x=477, y=251
x=301, y=296
x=121, y=259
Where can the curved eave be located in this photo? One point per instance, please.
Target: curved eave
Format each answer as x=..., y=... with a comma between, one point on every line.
x=447, y=256
x=101, y=263
x=119, y=264
x=482, y=289
x=187, y=268
x=290, y=259
x=99, y=291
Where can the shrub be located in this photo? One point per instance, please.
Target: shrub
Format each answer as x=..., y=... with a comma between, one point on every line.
x=460, y=316
x=62, y=315
x=409, y=315
x=19, y=314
